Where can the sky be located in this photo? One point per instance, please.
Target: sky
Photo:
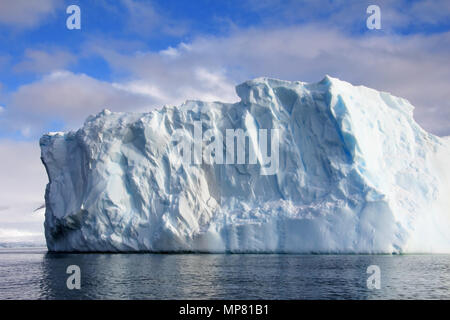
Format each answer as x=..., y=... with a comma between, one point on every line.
x=132, y=55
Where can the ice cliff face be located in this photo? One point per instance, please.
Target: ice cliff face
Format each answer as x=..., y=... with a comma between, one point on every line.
x=352, y=172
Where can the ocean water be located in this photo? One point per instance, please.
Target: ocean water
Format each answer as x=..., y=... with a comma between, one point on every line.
x=37, y=274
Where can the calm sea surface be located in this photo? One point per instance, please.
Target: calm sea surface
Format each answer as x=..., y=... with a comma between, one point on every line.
x=36, y=274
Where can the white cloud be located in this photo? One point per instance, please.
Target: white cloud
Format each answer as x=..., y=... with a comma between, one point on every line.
x=25, y=13
x=409, y=66
x=40, y=61
x=208, y=68
x=68, y=97
x=22, y=188
x=170, y=52
x=72, y=97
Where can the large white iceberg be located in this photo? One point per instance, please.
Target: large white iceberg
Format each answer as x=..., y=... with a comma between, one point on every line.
x=354, y=174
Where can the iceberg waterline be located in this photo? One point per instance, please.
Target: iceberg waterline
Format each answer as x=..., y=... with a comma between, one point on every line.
x=355, y=174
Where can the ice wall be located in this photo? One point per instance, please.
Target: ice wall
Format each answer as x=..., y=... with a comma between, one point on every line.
x=354, y=173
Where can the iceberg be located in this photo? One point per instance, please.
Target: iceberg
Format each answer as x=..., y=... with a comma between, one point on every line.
x=348, y=171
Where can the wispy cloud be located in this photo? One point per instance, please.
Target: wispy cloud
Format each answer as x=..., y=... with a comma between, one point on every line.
x=405, y=65
x=23, y=14
x=44, y=61
x=433, y=12
x=397, y=15
x=145, y=18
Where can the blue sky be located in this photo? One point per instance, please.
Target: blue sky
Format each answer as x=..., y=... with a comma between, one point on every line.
x=133, y=55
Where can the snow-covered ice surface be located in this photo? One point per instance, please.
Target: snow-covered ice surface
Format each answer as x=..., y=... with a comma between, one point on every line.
x=356, y=174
